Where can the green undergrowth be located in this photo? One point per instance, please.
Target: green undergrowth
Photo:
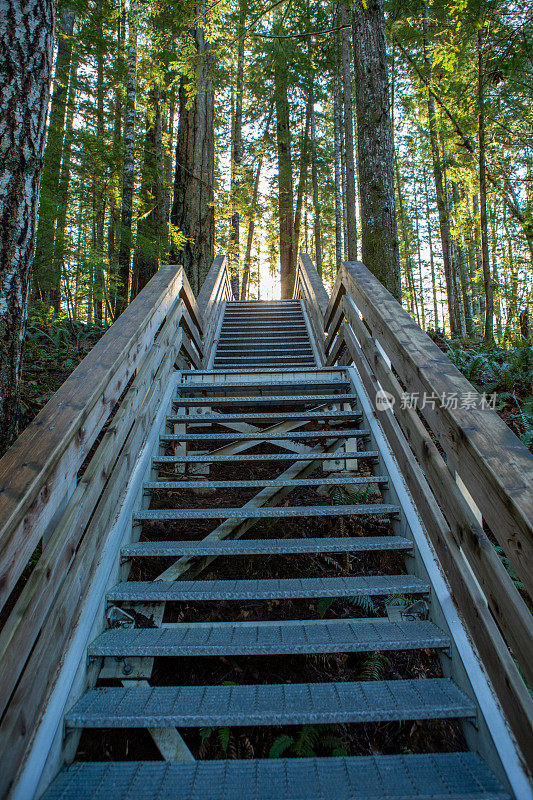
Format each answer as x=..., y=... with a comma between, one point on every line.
x=508, y=372
x=54, y=346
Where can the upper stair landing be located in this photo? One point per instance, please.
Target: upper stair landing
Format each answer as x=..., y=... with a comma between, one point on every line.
x=264, y=335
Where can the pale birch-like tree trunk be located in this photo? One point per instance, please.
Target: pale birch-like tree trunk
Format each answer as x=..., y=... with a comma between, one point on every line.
x=27, y=35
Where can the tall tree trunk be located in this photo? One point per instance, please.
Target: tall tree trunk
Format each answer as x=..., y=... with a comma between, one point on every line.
x=302, y=181
x=145, y=259
x=488, y=332
x=337, y=159
x=124, y=255
x=114, y=209
x=285, y=185
x=234, y=249
x=253, y=212
x=169, y=149
x=431, y=258
x=419, y=258
x=64, y=180
x=192, y=209
x=98, y=296
x=444, y=224
x=380, y=249
x=351, y=214
x=44, y=274
x=316, y=200
x=27, y=36
x=412, y=300
x=462, y=267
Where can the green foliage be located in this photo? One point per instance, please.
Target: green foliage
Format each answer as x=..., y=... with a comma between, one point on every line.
x=510, y=569
x=508, y=372
x=312, y=740
x=375, y=667
x=223, y=734
x=54, y=345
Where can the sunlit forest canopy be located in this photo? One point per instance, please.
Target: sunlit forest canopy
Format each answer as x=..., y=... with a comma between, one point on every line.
x=180, y=129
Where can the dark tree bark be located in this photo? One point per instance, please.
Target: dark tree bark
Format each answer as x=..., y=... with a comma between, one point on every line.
x=285, y=185
x=151, y=226
x=124, y=255
x=380, y=249
x=45, y=276
x=351, y=214
x=192, y=210
x=26, y=51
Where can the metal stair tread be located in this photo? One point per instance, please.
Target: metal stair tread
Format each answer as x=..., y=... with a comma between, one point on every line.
x=436, y=776
x=268, y=399
x=264, y=638
x=300, y=456
x=320, y=480
x=270, y=704
x=206, y=547
x=267, y=512
x=265, y=588
x=334, y=433
x=265, y=417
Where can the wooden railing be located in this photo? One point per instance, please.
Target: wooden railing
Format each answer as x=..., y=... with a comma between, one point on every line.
x=60, y=481
x=461, y=462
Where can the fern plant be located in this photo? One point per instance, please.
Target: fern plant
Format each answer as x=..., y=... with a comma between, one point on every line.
x=374, y=667
x=311, y=740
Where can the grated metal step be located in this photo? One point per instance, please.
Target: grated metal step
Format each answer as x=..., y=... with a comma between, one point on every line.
x=320, y=480
x=265, y=385
x=213, y=458
x=280, y=416
x=243, y=547
x=439, y=776
x=268, y=512
x=263, y=400
x=334, y=433
x=265, y=638
x=265, y=589
x=270, y=704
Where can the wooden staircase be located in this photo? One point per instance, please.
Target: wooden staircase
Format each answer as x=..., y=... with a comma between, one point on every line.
x=259, y=511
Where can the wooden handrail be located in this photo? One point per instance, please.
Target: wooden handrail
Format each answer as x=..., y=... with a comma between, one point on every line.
x=362, y=322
